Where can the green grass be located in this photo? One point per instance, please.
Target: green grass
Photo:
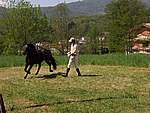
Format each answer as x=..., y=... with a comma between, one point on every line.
x=133, y=60
x=11, y=61
x=101, y=89
x=113, y=83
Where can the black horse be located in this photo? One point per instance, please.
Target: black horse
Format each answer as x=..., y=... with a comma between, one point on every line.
x=34, y=56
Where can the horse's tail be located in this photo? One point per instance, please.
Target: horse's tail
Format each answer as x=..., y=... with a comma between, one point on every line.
x=52, y=59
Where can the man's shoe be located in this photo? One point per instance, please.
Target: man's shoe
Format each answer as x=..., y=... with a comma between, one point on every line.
x=78, y=71
x=67, y=71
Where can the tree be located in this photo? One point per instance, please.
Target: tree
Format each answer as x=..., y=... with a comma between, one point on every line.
x=61, y=24
x=24, y=24
x=93, y=39
x=41, y=28
x=17, y=24
x=122, y=16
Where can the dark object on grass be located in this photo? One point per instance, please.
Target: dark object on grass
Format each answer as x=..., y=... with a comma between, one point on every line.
x=2, y=107
x=34, y=56
x=104, y=50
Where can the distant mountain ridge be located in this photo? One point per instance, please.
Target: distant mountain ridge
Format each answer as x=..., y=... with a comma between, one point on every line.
x=88, y=7
x=83, y=8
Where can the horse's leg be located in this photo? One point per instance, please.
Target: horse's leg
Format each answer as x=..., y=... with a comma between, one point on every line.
x=50, y=69
x=26, y=66
x=49, y=63
x=25, y=69
x=28, y=72
x=38, y=69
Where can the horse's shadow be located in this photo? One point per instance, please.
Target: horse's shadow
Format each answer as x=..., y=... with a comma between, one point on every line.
x=54, y=75
x=51, y=76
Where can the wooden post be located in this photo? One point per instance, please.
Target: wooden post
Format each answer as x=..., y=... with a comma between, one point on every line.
x=2, y=107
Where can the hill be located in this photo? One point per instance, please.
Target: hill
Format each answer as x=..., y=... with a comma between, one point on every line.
x=85, y=7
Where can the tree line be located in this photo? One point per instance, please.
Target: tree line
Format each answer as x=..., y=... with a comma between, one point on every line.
x=23, y=23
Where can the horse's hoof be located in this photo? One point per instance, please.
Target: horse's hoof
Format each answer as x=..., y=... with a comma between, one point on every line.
x=64, y=75
x=36, y=73
x=51, y=70
x=25, y=77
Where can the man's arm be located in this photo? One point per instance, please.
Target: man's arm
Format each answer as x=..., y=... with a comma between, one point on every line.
x=74, y=51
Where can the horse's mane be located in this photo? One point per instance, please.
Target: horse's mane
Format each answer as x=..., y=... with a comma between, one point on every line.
x=48, y=53
x=31, y=49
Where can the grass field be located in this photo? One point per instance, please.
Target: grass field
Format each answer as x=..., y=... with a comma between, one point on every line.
x=100, y=89
x=133, y=60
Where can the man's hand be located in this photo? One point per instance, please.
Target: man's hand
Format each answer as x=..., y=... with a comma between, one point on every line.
x=69, y=54
x=73, y=54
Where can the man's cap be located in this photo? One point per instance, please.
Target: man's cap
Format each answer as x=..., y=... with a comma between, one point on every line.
x=72, y=39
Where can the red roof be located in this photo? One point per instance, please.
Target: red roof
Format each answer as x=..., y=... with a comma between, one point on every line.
x=145, y=33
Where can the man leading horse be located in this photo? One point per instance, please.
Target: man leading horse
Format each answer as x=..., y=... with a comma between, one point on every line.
x=73, y=56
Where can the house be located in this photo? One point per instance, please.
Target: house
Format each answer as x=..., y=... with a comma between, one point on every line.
x=141, y=44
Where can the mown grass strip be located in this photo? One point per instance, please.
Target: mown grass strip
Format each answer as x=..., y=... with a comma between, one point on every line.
x=133, y=60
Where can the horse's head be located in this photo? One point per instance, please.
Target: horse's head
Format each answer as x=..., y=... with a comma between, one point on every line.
x=24, y=49
x=28, y=48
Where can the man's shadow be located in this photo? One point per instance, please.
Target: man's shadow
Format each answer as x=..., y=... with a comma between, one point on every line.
x=90, y=75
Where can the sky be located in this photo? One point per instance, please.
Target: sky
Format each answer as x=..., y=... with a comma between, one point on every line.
x=50, y=2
